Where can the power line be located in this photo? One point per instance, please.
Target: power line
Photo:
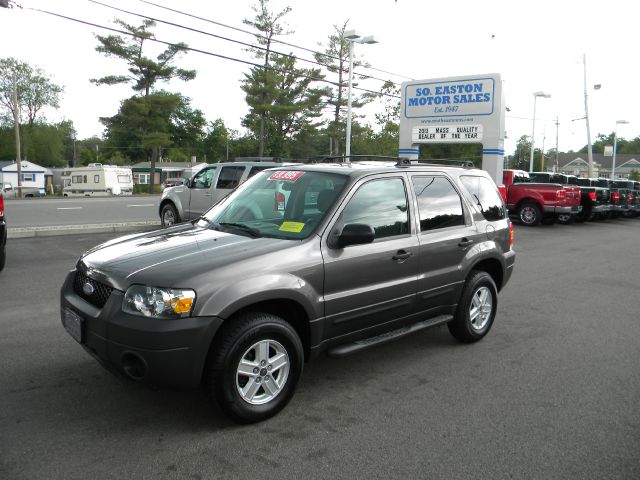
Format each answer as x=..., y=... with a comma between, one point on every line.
x=205, y=52
x=258, y=35
x=250, y=45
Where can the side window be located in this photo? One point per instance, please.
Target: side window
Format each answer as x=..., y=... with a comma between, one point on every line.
x=255, y=170
x=486, y=196
x=229, y=177
x=96, y=179
x=382, y=204
x=439, y=205
x=204, y=178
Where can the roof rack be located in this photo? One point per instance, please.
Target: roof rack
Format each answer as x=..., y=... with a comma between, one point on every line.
x=349, y=158
x=400, y=161
x=254, y=159
x=405, y=162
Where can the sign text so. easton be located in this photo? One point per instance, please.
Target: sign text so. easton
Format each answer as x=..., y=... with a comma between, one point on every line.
x=443, y=134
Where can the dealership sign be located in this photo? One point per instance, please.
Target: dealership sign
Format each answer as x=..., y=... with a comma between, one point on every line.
x=455, y=110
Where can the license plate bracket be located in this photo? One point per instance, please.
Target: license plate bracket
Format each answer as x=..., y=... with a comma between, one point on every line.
x=73, y=324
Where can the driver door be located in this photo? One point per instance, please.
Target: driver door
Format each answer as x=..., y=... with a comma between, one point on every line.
x=200, y=190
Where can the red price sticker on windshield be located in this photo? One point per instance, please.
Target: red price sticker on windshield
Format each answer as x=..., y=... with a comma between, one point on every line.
x=286, y=175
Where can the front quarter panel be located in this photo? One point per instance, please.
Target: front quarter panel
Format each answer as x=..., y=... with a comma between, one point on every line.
x=294, y=274
x=179, y=196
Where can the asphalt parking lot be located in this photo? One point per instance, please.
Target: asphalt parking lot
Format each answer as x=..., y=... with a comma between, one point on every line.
x=552, y=392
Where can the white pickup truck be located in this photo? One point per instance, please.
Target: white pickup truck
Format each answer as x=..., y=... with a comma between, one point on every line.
x=9, y=191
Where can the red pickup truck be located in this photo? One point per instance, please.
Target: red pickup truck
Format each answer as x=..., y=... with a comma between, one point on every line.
x=535, y=202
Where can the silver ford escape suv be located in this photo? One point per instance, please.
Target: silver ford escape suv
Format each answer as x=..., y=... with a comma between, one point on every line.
x=298, y=260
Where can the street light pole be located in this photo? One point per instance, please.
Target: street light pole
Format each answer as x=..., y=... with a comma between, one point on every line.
x=347, y=142
x=615, y=143
x=352, y=37
x=533, y=130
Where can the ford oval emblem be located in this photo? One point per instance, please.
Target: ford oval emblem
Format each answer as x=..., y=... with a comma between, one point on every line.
x=88, y=289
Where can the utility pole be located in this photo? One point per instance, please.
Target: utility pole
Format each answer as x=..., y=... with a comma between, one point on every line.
x=586, y=116
x=16, y=123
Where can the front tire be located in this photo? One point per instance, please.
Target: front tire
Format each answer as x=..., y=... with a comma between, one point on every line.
x=477, y=308
x=254, y=367
x=529, y=214
x=169, y=215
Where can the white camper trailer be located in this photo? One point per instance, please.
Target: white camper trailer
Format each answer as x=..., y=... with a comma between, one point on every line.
x=97, y=180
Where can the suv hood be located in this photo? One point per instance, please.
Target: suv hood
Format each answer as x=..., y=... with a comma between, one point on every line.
x=170, y=257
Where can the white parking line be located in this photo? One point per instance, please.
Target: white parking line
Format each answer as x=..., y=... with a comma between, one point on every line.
x=142, y=205
x=69, y=208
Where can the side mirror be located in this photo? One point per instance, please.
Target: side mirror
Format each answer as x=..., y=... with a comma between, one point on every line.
x=355, y=234
x=187, y=183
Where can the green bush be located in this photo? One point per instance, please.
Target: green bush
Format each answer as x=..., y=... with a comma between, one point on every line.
x=142, y=188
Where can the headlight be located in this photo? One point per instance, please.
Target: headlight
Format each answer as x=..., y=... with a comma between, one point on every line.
x=158, y=302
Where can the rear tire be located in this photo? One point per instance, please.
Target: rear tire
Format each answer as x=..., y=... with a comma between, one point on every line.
x=169, y=215
x=529, y=214
x=477, y=308
x=254, y=367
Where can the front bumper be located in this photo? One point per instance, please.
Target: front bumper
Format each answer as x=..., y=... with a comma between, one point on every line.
x=157, y=352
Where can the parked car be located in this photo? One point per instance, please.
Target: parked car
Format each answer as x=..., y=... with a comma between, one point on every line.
x=205, y=188
x=600, y=200
x=3, y=234
x=9, y=191
x=240, y=298
x=590, y=201
x=618, y=197
x=534, y=202
x=633, y=188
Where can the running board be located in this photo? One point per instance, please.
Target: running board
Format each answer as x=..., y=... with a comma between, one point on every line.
x=350, y=348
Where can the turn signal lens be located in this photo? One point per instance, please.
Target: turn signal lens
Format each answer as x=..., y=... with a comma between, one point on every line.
x=183, y=305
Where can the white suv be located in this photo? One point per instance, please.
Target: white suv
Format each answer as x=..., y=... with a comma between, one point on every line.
x=205, y=188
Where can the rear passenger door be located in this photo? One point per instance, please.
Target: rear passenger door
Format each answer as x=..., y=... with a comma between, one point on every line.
x=230, y=177
x=446, y=234
x=368, y=285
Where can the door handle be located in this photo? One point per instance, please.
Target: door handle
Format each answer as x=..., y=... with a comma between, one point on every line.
x=207, y=194
x=402, y=255
x=465, y=242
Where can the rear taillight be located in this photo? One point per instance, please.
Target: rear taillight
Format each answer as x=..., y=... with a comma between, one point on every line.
x=503, y=192
x=1, y=207
x=510, y=235
x=278, y=202
x=615, y=196
x=592, y=196
x=630, y=197
x=561, y=194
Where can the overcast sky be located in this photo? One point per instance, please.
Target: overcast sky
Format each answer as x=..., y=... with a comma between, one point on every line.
x=535, y=46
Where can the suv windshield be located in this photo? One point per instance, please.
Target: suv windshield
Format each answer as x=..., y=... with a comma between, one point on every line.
x=287, y=204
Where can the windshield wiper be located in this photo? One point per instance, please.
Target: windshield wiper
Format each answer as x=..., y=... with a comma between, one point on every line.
x=253, y=232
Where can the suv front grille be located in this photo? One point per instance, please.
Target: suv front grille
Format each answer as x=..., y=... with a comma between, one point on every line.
x=100, y=294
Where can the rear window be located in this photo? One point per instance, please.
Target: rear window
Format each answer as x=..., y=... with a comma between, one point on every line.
x=486, y=196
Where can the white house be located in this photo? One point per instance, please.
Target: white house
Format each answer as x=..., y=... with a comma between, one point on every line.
x=33, y=175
